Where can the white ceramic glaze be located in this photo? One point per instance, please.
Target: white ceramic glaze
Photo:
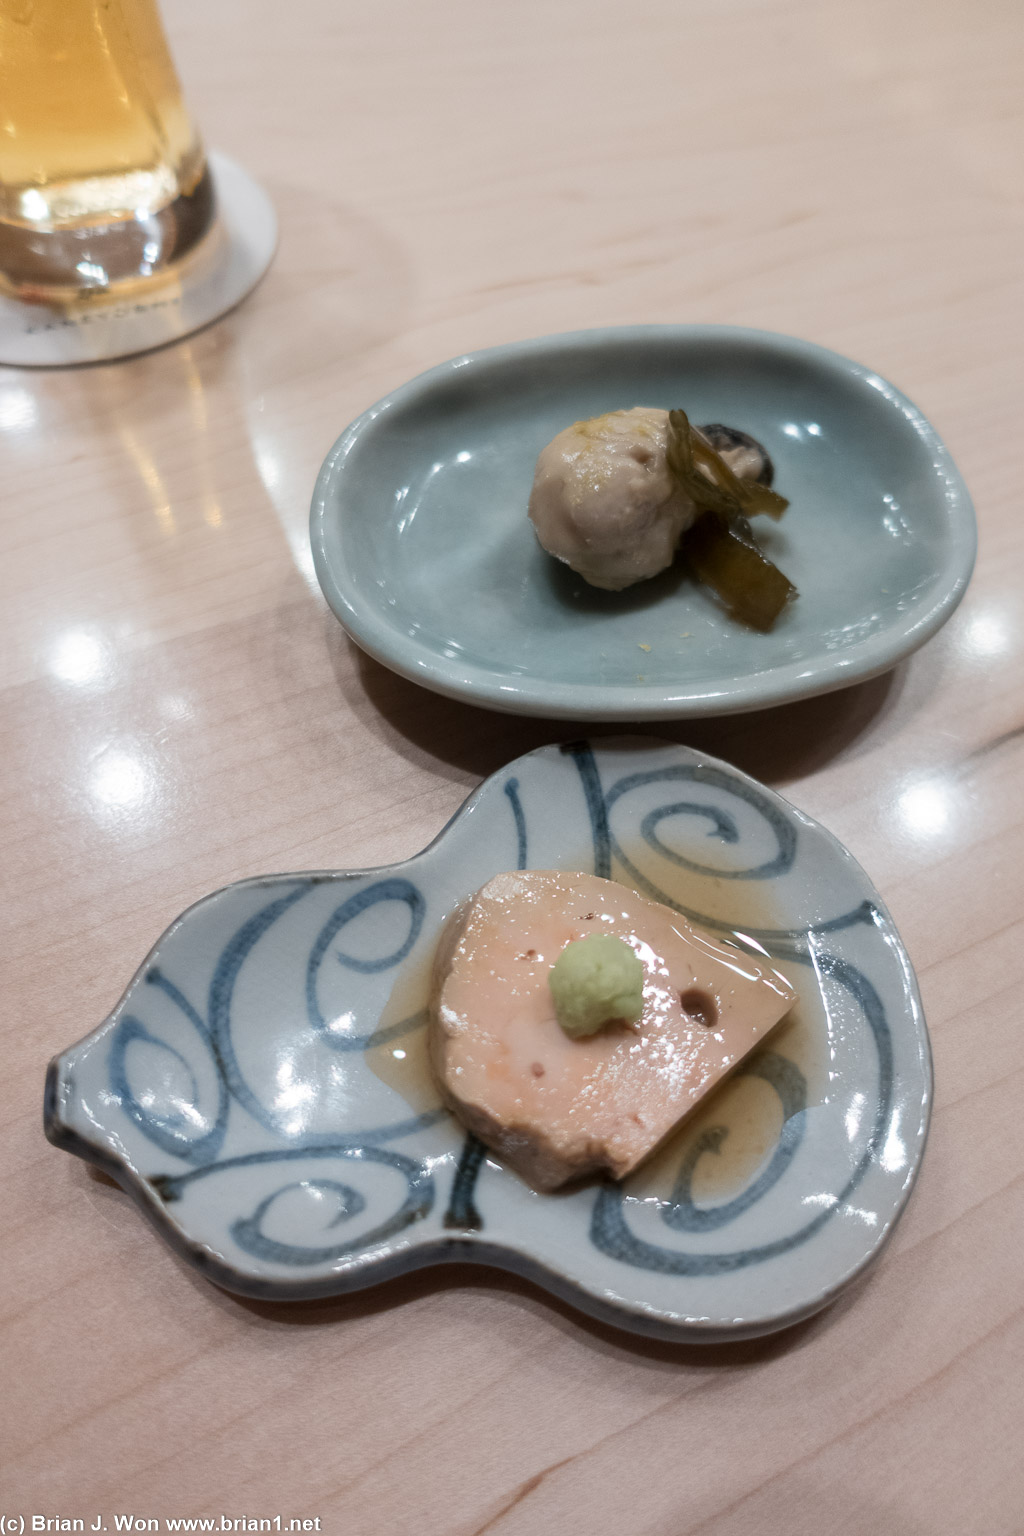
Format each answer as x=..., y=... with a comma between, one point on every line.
x=423, y=549
x=248, y=1089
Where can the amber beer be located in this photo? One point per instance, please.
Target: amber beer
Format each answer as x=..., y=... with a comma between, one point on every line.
x=103, y=180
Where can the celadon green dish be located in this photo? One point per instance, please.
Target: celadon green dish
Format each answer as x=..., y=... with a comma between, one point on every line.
x=423, y=548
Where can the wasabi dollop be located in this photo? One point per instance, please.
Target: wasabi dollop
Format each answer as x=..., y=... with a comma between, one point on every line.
x=595, y=980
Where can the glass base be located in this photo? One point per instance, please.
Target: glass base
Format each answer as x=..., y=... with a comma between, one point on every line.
x=40, y=266
x=140, y=314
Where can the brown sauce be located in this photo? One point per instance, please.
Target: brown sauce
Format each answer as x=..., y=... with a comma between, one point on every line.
x=745, y=1106
x=400, y=1059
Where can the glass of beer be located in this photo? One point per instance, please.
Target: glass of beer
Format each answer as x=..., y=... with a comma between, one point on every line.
x=103, y=180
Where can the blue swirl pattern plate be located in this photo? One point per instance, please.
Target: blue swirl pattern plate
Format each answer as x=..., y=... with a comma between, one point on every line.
x=261, y=1088
x=423, y=548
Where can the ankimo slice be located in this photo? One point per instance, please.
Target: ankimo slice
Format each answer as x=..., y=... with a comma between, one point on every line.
x=558, y=1108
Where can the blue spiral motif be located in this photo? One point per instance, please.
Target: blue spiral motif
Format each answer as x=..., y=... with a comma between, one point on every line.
x=723, y=825
x=172, y=1130
x=609, y=1231
x=384, y=890
x=512, y=795
x=222, y=987
x=248, y=1232
x=681, y=1214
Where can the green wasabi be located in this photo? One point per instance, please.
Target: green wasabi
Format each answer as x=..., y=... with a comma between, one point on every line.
x=595, y=980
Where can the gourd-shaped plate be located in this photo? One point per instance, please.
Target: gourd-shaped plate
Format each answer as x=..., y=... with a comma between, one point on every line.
x=262, y=1090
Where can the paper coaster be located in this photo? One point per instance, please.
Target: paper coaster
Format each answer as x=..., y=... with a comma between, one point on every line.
x=218, y=276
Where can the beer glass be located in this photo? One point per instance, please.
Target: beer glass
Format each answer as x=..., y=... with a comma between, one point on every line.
x=103, y=180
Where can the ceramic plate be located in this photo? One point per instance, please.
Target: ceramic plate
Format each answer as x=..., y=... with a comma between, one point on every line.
x=261, y=1089
x=423, y=549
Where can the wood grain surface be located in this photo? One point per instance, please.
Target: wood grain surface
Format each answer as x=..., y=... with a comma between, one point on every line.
x=180, y=709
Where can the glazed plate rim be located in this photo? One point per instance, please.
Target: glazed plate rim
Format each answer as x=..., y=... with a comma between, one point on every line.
x=378, y=1265
x=569, y=699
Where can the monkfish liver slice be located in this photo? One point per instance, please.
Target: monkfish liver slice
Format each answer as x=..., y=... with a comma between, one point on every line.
x=556, y=1108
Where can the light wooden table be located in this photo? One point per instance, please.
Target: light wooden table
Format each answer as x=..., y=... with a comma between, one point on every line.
x=180, y=709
